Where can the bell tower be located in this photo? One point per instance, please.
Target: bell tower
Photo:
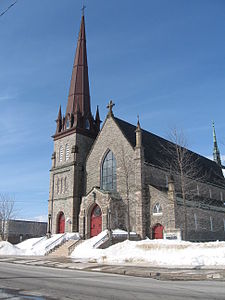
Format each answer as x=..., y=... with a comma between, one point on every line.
x=75, y=133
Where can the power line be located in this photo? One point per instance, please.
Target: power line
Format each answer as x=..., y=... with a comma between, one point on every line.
x=7, y=8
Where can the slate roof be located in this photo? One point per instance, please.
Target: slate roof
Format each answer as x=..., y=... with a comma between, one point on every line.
x=156, y=154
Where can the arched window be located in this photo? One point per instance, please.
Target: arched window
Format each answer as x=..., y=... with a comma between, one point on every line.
x=61, y=186
x=87, y=124
x=108, y=178
x=68, y=124
x=157, y=209
x=57, y=186
x=65, y=184
x=60, y=153
x=67, y=150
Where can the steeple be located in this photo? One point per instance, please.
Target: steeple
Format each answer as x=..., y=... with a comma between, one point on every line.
x=216, y=152
x=79, y=84
x=78, y=116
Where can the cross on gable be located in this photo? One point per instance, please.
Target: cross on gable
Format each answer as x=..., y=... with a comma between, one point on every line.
x=110, y=106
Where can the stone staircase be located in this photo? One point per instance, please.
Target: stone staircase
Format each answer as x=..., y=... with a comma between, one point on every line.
x=64, y=249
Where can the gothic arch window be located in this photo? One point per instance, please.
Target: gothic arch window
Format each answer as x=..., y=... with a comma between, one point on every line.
x=57, y=186
x=61, y=186
x=60, y=153
x=68, y=123
x=65, y=184
x=67, y=151
x=108, y=172
x=157, y=209
x=87, y=124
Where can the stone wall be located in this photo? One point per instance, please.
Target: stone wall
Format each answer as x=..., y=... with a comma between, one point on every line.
x=200, y=218
x=111, y=138
x=67, y=179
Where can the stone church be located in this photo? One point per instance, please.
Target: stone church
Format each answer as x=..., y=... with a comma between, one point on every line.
x=119, y=176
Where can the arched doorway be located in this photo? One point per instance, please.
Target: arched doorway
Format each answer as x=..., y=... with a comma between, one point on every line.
x=61, y=222
x=157, y=231
x=96, y=221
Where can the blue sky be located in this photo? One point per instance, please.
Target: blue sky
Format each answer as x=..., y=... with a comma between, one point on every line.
x=161, y=59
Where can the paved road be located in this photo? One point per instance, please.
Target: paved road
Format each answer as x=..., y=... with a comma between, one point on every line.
x=51, y=283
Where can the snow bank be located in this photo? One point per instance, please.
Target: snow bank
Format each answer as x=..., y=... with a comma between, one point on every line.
x=36, y=246
x=8, y=249
x=164, y=253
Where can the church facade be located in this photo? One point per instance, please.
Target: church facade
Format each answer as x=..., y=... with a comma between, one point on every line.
x=120, y=176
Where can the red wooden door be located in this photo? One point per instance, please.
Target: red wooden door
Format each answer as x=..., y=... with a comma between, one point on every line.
x=61, y=223
x=96, y=221
x=158, y=232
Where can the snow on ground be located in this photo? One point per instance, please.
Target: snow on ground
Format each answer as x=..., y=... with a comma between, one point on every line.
x=35, y=246
x=8, y=249
x=164, y=253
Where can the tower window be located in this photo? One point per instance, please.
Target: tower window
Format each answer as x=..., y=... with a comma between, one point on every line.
x=65, y=185
x=61, y=186
x=87, y=124
x=108, y=170
x=57, y=186
x=67, y=152
x=67, y=124
x=60, y=153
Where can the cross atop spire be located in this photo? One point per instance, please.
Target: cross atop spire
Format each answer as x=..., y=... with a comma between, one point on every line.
x=82, y=9
x=216, y=152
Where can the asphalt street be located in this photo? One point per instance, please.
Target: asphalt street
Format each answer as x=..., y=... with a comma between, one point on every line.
x=36, y=282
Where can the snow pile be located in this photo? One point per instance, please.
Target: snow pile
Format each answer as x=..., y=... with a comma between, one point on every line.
x=164, y=253
x=36, y=246
x=8, y=249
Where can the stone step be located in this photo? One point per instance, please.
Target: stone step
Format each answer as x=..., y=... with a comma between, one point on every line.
x=63, y=250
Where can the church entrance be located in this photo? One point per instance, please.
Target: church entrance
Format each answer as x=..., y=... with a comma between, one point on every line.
x=61, y=222
x=96, y=220
x=157, y=232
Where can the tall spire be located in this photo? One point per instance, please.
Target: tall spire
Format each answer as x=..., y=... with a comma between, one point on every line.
x=78, y=116
x=79, y=85
x=216, y=152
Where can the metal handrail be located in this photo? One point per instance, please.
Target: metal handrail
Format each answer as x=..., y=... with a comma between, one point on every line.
x=39, y=241
x=55, y=243
x=101, y=241
x=74, y=245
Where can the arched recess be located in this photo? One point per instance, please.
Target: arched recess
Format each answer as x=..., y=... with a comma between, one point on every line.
x=61, y=223
x=95, y=221
x=108, y=172
x=157, y=231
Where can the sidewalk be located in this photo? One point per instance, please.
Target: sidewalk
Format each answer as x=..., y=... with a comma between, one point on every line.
x=138, y=271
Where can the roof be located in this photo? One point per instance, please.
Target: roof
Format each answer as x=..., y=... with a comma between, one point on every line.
x=155, y=153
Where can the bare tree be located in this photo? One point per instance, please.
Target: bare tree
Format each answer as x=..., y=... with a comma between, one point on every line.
x=126, y=180
x=183, y=163
x=6, y=213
